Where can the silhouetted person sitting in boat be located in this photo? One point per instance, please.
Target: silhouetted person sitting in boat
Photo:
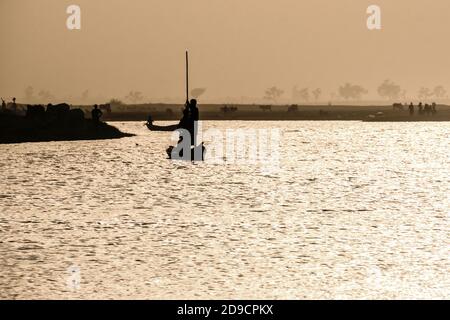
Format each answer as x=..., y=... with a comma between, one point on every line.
x=411, y=109
x=96, y=115
x=149, y=120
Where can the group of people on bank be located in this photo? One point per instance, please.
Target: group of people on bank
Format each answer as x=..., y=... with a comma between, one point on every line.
x=39, y=111
x=422, y=109
x=11, y=105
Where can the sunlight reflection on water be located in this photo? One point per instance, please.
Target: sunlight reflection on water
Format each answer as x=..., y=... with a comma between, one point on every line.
x=357, y=210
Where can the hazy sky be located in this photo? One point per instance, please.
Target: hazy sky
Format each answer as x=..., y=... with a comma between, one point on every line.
x=237, y=47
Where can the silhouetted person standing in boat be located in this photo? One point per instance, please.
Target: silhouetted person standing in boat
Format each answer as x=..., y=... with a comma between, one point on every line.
x=96, y=115
x=3, y=105
x=193, y=121
x=184, y=121
x=189, y=119
x=194, y=109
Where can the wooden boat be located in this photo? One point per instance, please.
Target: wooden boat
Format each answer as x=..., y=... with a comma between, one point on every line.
x=153, y=127
x=198, y=152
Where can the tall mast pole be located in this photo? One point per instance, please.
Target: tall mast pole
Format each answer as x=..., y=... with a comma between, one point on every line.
x=187, y=76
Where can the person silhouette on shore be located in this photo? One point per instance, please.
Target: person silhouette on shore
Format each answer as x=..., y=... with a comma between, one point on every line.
x=427, y=109
x=411, y=109
x=96, y=115
x=14, y=105
x=433, y=108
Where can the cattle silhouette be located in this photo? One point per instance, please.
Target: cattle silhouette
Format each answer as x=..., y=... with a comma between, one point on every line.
x=76, y=116
x=293, y=108
x=35, y=112
x=266, y=108
x=397, y=106
x=58, y=112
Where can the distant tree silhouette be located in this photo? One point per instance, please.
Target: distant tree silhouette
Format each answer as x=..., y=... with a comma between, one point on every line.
x=403, y=94
x=115, y=101
x=439, y=92
x=45, y=95
x=85, y=95
x=134, y=97
x=300, y=95
x=350, y=91
x=425, y=93
x=273, y=94
x=304, y=94
x=29, y=94
x=389, y=90
x=316, y=93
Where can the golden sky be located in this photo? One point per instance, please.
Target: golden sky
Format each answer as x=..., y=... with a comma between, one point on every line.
x=237, y=47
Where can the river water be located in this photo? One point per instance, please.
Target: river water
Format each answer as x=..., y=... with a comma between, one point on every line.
x=355, y=210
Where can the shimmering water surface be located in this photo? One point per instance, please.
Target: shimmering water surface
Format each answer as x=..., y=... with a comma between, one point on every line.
x=357, y=210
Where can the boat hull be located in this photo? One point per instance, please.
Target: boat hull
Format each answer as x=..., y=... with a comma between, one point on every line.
x=153, y=127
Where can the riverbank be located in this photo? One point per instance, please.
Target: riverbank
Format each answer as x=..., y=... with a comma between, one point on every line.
x=17, y=129
x=277, y=112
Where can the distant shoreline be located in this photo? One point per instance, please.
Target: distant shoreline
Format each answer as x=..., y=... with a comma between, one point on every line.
x=375, y=113
x=259, y=112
